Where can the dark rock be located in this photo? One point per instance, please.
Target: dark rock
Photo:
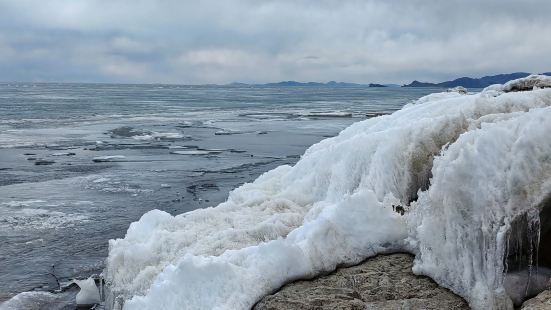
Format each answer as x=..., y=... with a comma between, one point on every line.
x=43, y=162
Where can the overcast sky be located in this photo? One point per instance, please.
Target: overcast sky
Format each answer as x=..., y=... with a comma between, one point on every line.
x=194, y=42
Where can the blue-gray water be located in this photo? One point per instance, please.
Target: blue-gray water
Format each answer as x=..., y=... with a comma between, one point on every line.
x=184, y=148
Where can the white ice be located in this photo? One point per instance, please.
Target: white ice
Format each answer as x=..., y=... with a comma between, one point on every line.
x=31, y=214
x=159, y=136
x=336, y=206
x=195, y=152
x=89, y=292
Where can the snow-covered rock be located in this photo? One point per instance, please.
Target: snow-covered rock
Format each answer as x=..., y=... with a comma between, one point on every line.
x=531, y=82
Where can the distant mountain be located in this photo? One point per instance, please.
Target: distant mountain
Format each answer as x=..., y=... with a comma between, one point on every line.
x=474, y=82
x=420, y=84
x=316, y=84
x=307, y=84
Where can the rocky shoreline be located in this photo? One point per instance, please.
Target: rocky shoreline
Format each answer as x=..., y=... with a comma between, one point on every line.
x=381, y=282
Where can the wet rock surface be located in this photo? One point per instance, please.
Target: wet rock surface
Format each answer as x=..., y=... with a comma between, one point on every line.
x=382, y=282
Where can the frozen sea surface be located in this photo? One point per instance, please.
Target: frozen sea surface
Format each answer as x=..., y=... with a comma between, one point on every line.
x=80, y=162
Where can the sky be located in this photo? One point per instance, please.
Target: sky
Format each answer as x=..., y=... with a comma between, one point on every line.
x=258, y=41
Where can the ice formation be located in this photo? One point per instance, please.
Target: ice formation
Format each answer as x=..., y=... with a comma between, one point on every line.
x=462, y=167
x=89, y=293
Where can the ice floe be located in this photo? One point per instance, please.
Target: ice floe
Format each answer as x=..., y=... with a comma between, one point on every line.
x=109, y=158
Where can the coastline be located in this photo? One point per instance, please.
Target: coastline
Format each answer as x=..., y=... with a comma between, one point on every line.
x=381, y=282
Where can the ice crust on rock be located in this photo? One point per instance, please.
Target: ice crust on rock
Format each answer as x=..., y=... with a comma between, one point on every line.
x=462, y=166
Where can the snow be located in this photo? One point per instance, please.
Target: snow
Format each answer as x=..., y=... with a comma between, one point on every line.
x=462, y=166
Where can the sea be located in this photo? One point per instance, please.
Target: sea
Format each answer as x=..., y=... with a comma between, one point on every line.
x=80, y=162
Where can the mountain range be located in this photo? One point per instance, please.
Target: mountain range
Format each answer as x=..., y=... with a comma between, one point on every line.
x=315, y=84
x=469, y=82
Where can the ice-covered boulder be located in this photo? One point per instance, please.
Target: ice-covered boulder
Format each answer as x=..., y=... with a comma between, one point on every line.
x=531, y=82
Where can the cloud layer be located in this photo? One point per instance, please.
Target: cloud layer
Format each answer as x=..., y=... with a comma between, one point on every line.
x=194, y=42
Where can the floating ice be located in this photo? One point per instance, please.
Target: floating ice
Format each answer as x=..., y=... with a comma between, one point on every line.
x=226, y=132
x=35, y=300
x=458, y=89
x=195, y=152
x=64, y=154
x=159, y=136
x=25, y=215
x=102, y=159
x=327, y=114
x=144, y=135
x=89, y=293
x=462, y=167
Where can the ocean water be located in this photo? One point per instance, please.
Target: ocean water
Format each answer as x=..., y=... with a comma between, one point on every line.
x=80, y=162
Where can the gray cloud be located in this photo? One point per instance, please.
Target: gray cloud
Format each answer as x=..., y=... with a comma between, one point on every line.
x=259, y=41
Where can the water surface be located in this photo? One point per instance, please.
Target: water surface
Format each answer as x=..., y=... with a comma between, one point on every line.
x=80, y=162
